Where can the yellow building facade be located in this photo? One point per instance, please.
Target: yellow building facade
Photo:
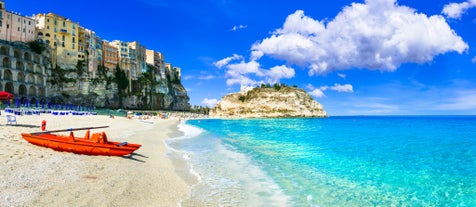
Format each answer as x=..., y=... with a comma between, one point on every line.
x=62, y=35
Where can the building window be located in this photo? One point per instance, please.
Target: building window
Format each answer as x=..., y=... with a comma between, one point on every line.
x=1, y=24
x=74, y=40
x=64, y=24
x=62, y=37
x=63, y=44
x=18, y=29
x=47, y=27
x=8, y=26
x=73, y=46
x=47, y=20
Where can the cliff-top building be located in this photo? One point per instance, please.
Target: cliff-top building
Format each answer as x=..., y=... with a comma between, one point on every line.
x=15, y=27
x=22, y=71
x=110, y=55
x=156, y=59
x=26, y=67
x=62, y=35
x=172, y=73
x=139, y=57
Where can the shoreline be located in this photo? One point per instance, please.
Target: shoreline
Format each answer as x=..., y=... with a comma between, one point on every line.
x=35, y=176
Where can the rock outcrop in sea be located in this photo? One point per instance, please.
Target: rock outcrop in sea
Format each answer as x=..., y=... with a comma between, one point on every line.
x=268, y=102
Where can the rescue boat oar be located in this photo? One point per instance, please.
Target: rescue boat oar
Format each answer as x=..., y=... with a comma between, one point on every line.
x=69, y=129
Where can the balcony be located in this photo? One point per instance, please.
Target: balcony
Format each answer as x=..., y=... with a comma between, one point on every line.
x=64, y=31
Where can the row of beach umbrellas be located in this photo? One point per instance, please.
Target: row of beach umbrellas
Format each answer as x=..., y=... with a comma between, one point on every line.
x=5, y=96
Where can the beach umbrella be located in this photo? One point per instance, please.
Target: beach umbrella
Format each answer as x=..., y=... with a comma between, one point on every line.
x=36, y=104
x=17, y=102
x=5, y=96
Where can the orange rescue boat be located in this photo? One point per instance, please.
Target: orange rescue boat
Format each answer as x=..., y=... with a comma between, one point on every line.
x=97, y=144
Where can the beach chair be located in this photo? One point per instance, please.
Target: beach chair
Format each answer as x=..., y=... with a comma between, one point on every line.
x=11, y=119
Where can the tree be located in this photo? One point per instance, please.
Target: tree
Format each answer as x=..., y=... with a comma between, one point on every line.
x=59, y=78
x=80, y=68
x=122, y=83
x=148, y=79
x=37, y=46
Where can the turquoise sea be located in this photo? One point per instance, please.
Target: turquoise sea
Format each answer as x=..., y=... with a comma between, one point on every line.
x=336, y=161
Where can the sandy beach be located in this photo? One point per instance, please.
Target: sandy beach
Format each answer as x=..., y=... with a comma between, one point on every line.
x=37, y=176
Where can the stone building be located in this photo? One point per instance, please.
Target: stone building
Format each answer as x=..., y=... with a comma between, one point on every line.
x=172, y=73
x=123, y=54
x=15, y=27
x=156, y=59
x=110, y=55
x=62, y=35
x=139, y=57
x=23, y=72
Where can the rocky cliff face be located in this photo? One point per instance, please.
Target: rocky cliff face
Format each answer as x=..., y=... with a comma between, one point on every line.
x=268, y=103
x=175, y=98
x=166, y=96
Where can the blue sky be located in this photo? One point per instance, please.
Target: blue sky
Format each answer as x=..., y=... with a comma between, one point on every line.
x=374, y=57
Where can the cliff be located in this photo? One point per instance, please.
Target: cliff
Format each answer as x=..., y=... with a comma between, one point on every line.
x=268, y=103
x=166, y=95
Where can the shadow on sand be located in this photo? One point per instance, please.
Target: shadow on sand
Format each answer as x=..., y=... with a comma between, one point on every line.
x=22, y=125
x=133, y=157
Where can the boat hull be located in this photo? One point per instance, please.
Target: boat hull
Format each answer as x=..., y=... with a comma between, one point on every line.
x=80, y=145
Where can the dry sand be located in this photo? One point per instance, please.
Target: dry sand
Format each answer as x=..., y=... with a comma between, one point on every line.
x=37, y=176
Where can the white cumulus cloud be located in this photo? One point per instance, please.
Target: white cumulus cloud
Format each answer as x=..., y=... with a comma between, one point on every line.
x=377, y=34
x=242, y=68
x=250, y=73
x=319, y=92
x=279, y=72
x=225, y=61
x=210, y=102
x=474, y=59
x=241, y=80
x=342, y=88
x=456, y=10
